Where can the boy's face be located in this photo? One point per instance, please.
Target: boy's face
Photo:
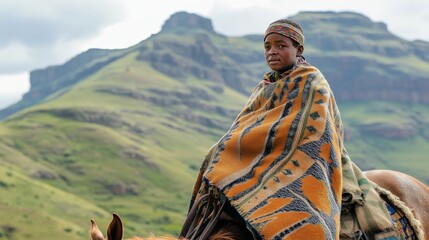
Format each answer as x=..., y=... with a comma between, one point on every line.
x=280, y=53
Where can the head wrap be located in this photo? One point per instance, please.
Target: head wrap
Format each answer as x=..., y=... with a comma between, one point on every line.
x=287, y=28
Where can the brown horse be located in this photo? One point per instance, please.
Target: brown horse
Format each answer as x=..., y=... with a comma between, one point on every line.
x=115, y=232
x=409, y=190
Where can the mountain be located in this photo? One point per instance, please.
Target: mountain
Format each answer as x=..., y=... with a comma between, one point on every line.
x=125, y=130
x=364, y=61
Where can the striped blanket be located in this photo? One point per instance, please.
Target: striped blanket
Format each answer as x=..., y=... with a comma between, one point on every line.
x=280, y=165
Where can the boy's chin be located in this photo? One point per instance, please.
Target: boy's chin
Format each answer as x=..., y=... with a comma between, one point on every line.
x=277, y=66
x=281, y=69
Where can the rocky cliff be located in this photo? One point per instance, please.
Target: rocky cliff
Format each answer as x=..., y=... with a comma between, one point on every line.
x=361, y=59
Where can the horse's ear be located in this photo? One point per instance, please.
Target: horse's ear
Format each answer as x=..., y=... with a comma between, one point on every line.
x=95, y=232
x=116, y=229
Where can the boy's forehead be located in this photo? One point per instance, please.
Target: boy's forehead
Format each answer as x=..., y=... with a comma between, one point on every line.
x=275, y=37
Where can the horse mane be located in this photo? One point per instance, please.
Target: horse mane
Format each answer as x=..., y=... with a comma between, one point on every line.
x=155, y=238
x=223, y=234
x=229, y=232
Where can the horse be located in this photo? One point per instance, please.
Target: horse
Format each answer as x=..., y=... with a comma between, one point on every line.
x=412, y=192
x=116, y=228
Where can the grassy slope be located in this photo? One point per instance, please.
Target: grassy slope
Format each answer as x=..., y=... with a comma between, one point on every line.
x=140, y=147
x=27, y=206
x=406, y=154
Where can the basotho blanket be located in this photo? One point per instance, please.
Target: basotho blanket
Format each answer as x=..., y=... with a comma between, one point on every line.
x=279, y=165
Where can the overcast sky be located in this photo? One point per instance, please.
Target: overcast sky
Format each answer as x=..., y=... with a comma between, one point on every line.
x=53, y=31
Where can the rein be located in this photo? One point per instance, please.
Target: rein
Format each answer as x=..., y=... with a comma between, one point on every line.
x=203, y=216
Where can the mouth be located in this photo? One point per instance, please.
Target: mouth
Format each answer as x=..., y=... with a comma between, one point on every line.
x=273, y=61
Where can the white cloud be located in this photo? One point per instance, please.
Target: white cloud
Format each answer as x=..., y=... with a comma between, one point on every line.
x=144, y=19
x=40, y=35
x=12, y=87
x=404, y=18
x=13, y=56
x=246, y=20
x=14, y=83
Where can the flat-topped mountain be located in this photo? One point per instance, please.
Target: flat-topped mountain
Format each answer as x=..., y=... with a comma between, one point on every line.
x=361, y=58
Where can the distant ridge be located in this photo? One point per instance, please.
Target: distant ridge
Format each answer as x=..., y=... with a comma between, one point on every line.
x=373, y=61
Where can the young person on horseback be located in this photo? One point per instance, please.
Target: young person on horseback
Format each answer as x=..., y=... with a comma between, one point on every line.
x=281, y=170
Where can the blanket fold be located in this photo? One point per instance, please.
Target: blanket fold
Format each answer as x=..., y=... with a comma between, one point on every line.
x=363, y=211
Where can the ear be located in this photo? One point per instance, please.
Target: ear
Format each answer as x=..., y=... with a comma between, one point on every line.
x=300, y=50
x=116, y=229
x=95, y=232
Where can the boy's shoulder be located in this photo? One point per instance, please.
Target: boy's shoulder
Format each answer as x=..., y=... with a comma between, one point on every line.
x=306, y=70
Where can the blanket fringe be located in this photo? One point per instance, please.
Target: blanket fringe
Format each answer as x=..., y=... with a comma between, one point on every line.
x=393, y=199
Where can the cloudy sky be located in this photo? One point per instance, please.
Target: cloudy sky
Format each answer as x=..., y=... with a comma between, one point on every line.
x=34, y=37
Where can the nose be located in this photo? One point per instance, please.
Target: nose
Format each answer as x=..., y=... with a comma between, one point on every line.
x=272, y=51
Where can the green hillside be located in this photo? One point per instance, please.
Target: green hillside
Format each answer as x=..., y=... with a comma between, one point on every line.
x=124, y=131
x=380, y=134
x=118, y=145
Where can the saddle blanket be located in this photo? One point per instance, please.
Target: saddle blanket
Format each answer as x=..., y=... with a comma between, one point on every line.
x=402, y=223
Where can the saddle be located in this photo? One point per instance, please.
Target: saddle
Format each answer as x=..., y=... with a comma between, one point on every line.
x=404, y=223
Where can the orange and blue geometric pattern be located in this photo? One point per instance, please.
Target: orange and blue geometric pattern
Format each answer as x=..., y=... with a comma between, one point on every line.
x=402, y=222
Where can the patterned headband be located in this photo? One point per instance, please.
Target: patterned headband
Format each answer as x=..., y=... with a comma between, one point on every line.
x=287, y=28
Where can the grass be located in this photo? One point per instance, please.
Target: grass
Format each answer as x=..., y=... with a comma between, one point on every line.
x=370, y=151
x=87, y=158
x=26, y=205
